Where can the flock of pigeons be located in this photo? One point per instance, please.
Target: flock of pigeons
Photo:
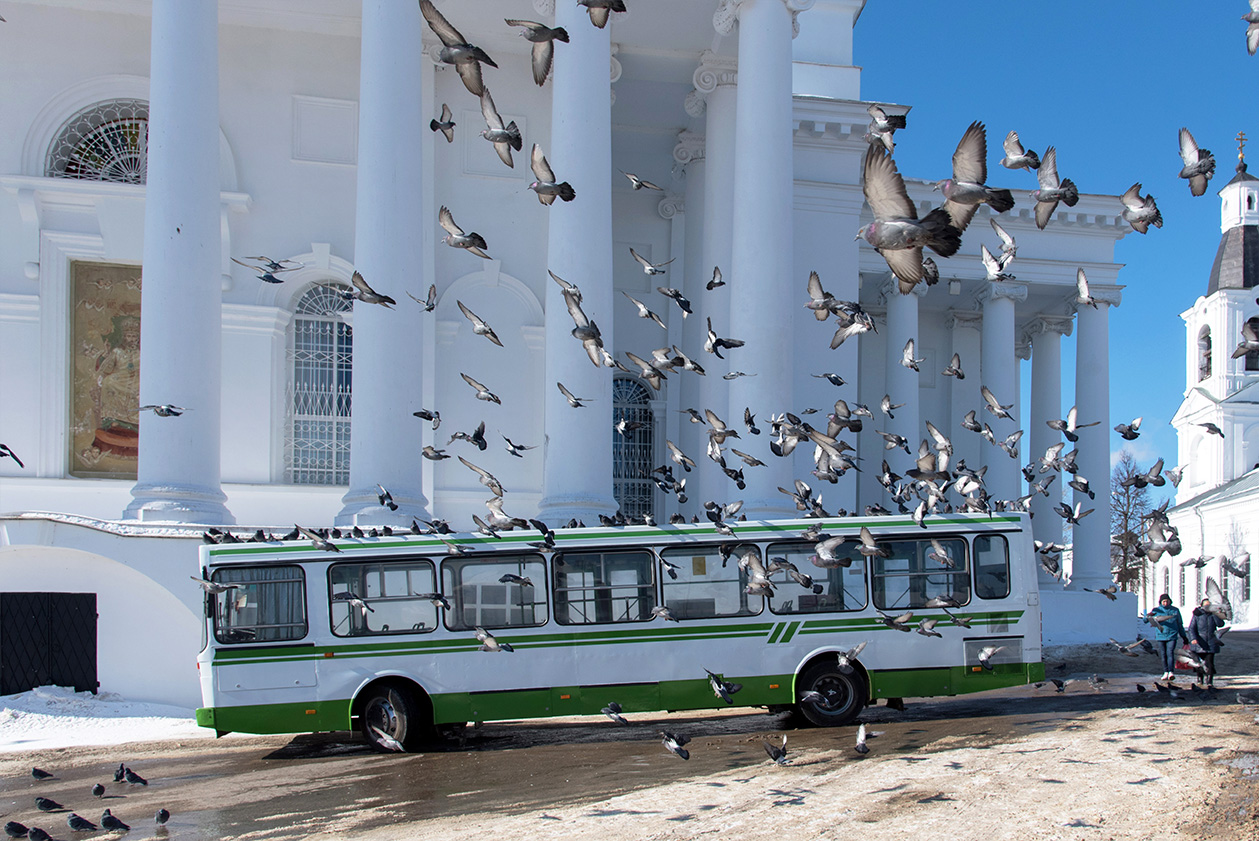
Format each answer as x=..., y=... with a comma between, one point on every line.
x=108, y=821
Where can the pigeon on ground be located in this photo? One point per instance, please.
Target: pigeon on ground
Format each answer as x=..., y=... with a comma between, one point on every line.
x=13, y=829
x=98, y=790
x=456, y=50
x=41, y=774
x=79, y=824
x=861, y=747
x=47, y=804
x=111, y=823
x=776, y=753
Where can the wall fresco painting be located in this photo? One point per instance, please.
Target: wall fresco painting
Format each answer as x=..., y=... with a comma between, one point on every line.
x=105, y=380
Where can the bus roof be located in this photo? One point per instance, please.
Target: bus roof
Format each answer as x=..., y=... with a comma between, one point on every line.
x=407, y=543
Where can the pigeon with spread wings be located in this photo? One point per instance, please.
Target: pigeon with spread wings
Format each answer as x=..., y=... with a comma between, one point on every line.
x=546, y=186
x=456, y=238
x=543, y=39
x=504, y=137
x=896, y=232
x=456, y=51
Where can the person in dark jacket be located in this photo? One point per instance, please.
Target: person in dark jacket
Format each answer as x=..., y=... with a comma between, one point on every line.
x=1170, y=628
x=1202, y=628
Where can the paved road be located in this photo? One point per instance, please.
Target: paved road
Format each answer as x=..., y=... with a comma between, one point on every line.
x=294, y=787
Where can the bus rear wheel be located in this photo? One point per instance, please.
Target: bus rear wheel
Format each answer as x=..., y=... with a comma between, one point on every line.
x=391, y=720
x=844, y=695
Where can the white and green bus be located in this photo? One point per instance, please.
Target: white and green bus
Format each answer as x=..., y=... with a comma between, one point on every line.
x=310, y=640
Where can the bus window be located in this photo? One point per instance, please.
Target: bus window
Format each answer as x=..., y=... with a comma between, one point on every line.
x=268, y=604
x=698, y=585
x=601, y=587
x=992, y=567
x=379, y=598
x=914, y=573
x=497, y=592
x=843, y=588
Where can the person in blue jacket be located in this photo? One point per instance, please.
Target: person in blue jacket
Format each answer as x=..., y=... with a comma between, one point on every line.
x=1202, y=628
x=1170, y=628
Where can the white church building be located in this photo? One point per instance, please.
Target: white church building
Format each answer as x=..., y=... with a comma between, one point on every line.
x=1218, y=495
x=170, y=136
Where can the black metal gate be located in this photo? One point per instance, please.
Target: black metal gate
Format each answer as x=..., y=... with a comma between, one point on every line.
x=47, y=639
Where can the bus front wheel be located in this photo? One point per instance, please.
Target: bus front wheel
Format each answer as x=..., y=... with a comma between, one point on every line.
x=390, y=720
x=843, y=695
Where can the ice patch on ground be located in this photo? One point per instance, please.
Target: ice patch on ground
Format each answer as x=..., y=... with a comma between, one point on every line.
x=58, y=717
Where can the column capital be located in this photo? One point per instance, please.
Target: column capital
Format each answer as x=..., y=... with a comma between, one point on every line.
x=1060, y=325
x=714, y=70
x=889, y=287
x=690, y=147
x=997, y=289
x=727, y=14
x=965, y=318
x=1023, y=349
x=1101, y=294
x=671, y=206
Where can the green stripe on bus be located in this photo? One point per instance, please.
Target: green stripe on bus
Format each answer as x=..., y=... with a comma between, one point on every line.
x=778, y=629
x=544, y=702
x=790, y=632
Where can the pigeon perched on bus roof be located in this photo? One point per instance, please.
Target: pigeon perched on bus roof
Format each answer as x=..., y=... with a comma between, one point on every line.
x=1199, y=163
x=543, y=39
x=896, y=232
x=317, y=540
x=456, y=51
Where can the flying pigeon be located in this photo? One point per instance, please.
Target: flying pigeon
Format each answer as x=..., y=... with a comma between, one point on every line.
x=546, y=186
x=1015, y=156
x=456, y=238
x=1140, y=211
x=1051, y=189
x=445, y=125
x=504, y=137
x=1199, y=163
x=543, y=39
x=966, y=190
x=456, y=50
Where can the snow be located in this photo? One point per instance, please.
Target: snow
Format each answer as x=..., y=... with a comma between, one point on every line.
x=57, y=717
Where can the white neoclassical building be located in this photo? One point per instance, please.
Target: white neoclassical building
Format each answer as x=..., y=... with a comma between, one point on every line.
x=1218, y=495
x=150, y=142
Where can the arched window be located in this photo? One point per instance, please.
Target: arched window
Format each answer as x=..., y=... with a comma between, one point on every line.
x=1182, y=587
x=317, y=446
x=1204, y=353
x=632, y=453
x=107, y=141
x=1250, y=201
x=1252, y=358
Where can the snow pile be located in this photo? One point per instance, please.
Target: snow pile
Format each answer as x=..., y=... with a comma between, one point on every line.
x=57, y=717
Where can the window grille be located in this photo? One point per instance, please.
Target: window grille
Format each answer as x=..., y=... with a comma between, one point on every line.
x=317, y=445
x=632, y=453
x=107, y=141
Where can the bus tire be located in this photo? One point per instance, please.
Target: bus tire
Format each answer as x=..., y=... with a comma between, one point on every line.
x=393, y=712
x=847, y=691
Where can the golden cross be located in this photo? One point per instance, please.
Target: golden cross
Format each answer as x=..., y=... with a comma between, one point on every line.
x=1241, y=145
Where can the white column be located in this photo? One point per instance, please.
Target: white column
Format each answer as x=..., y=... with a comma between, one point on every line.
x=688, y=333
x=1091, y=538
x=902, y=383
x=999, y=371
x=715, y=99
x=762, y=291
x=1045, y=334
x=389, y=344
x=577, y=460
x=181, y=300
x=965, y=326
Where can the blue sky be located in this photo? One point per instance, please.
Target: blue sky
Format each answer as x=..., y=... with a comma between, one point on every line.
x=1110, y=84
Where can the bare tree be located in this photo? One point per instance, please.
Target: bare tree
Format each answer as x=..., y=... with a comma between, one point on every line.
x=1128, y=504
